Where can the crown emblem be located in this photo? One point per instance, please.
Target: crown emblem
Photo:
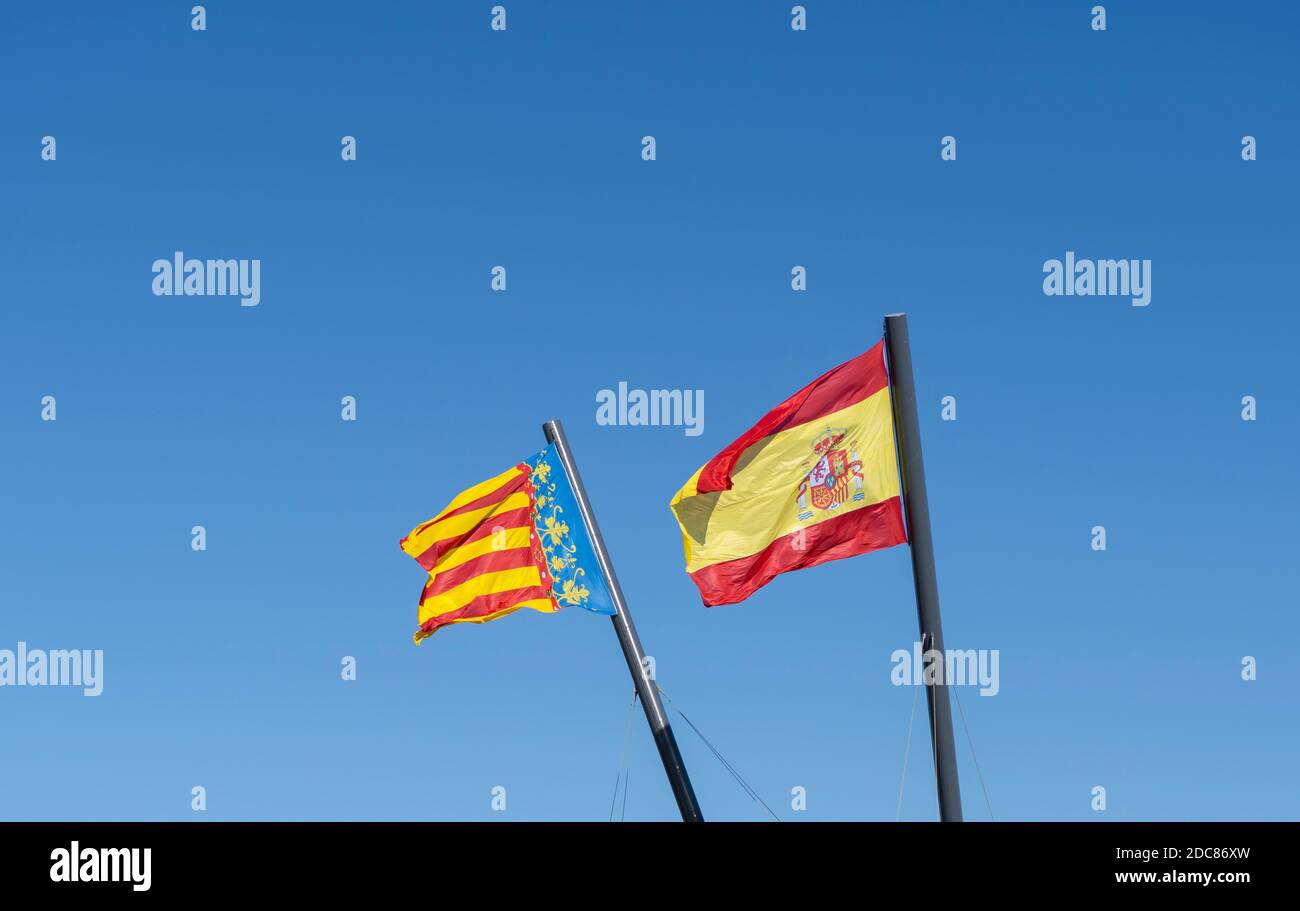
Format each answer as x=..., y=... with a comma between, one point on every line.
x=829, y=437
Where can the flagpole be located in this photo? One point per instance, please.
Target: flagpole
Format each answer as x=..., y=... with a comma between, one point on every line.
x=627, y=638
x=916, y=508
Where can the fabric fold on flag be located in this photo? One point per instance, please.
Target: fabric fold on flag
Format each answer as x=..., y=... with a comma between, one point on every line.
x=816, y=479
x=513, y=541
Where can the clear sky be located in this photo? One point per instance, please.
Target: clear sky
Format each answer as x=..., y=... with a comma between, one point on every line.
x=774, y=149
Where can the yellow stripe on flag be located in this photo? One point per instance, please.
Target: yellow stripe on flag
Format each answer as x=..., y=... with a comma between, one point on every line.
x=479, y=490
x=545, y=605
x=514, y=538
x=486, y=584
x=452, y=526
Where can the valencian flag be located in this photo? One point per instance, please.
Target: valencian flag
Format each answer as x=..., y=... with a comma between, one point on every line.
x=816, y=479
x=516, y=540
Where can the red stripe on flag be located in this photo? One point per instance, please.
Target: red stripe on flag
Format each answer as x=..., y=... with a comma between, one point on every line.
x=838, y=388
x=511, y=518
x=873, y=527
x=514, y=485
x=483, y=606
x=514, y=558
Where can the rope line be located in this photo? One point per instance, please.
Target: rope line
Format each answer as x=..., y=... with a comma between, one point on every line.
x=907, y=748
x=622, y=817
x=622, y=763
x=722, y=759
x=973, y=757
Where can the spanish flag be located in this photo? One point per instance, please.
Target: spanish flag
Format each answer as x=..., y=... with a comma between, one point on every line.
x=816, y=479
x=516, y=540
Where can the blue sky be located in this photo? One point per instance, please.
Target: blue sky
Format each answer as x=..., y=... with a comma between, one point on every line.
x=775, y=148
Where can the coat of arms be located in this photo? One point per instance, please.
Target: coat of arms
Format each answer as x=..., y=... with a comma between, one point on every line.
x=835, y=478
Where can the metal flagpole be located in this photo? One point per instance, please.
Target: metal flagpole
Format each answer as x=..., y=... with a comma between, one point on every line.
x=916, y=509
x=627, y=638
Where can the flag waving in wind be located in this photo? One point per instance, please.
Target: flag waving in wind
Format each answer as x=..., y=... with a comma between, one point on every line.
x=528, y=538
x=816, y=479
x=516, y=540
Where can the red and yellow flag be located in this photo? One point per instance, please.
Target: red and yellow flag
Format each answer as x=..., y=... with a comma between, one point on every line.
x=483, y=559
x=816, y=479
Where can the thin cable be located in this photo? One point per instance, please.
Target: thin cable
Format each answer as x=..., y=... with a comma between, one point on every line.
x=622, y=762
x=729, y=767
x=907, y=748
x=975, y=758
x=722, y=759
x=618, y=778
